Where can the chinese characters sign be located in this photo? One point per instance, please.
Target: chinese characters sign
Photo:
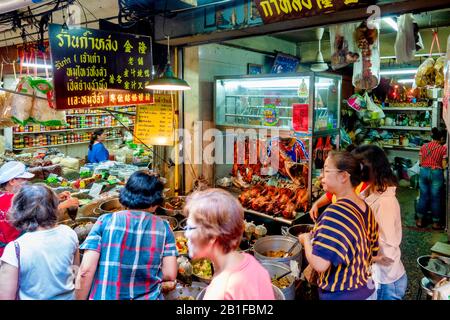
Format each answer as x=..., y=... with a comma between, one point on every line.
x=155, y=123
x=94, y=68
x=281, y=10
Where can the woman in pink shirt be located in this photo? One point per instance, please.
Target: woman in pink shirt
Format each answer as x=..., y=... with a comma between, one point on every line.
x=214, y=230
x=388, y=271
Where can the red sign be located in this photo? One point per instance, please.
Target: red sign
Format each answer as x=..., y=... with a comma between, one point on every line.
x=281, y=10
x=300, y=119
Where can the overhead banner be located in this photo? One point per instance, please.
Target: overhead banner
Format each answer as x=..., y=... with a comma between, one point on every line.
x=155, y=122
x=281, y=10
x=95, y=68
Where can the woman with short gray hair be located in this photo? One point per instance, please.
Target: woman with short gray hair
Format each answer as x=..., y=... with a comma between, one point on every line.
x=39, y=264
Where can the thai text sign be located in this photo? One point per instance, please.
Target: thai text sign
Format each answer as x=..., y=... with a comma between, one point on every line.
x=281, y=10
x=94, y=68
x=155, y=122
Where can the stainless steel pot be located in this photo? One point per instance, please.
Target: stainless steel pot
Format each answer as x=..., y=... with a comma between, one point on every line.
x=296, y=230
x=185, y=291
x=276, y=243
x=276, y=269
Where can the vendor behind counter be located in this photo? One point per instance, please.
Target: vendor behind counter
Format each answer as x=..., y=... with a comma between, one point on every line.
x=97, y=151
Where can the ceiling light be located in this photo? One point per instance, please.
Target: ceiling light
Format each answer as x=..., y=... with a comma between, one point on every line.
x=406, y=81
x=399, y=71
x=391, y=22
x=168, y=82
x=36, y=65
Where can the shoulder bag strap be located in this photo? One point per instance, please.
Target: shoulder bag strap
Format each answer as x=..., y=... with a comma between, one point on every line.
x=17, y=248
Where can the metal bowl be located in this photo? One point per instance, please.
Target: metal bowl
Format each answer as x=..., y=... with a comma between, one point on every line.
x=199, y=278
x=172, y=222
x=298, y=229
x=277, y=293
x=83, y=233
x=276, y=269
x=185, y=291
x=435, y=277
x=173, y=211
x=182, y=223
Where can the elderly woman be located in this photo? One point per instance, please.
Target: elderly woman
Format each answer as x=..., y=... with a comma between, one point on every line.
x=39, y=264
x=128, y=254
x=345, y=238
x=214, y=229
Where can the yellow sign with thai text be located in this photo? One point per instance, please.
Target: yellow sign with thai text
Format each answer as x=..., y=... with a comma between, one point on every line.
x=155, y=122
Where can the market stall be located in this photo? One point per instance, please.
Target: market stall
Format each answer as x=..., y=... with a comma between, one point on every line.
x=277, y=130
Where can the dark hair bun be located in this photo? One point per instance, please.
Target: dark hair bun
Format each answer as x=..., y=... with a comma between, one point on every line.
x=142, y=191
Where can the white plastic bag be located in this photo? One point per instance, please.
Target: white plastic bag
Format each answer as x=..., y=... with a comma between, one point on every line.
x=376, y=112
x=366, y=71
x=405, y=43
x=42, y=112
x=21, y=105
x=343, y=51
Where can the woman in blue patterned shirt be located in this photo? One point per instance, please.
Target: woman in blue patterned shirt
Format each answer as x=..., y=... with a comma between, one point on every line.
x=345, y=238
x=130, y=253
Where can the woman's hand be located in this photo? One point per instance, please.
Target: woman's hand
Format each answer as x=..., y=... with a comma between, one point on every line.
x=314, y=212
x=64, y=195
x=304, y=238
x=71, y=202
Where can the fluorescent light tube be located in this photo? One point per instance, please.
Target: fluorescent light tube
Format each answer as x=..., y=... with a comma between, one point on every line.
x=36, y=65
x=391, y=22
x=406, y=81
x=399, y=71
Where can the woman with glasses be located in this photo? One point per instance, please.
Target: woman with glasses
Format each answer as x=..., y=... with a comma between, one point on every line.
x=214, y=230
x=345, y=238
x=129, y=254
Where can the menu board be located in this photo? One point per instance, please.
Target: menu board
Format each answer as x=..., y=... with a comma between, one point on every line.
x=94, y=68
x=155, y=122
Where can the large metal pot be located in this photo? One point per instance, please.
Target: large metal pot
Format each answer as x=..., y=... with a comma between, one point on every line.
x=433, y=276
x=276, y=243
x=183, y=292
x=276, y=269
x=296, y=230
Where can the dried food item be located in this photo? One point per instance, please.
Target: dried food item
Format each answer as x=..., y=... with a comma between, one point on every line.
x=184, y=266
x=185, y=298
x=426, y=73
x=260, y=231
x=5, y=110
x=282, y=283
x=439, y=70
x=277, y=254
x=343, y=51
x=249, y=229
x=366, y=70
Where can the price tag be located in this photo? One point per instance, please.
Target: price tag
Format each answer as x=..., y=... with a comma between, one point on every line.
x=96, y=189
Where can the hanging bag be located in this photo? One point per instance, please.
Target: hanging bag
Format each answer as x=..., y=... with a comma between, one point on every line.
x=326, y=148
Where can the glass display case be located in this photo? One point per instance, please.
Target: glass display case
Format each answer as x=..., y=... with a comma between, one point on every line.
x=292, y=113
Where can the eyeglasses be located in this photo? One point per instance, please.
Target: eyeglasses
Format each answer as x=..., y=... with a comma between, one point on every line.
x=323, y=171
x=187, y=228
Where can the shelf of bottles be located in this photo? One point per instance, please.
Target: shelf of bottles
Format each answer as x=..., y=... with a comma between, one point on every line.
x=79, y=128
